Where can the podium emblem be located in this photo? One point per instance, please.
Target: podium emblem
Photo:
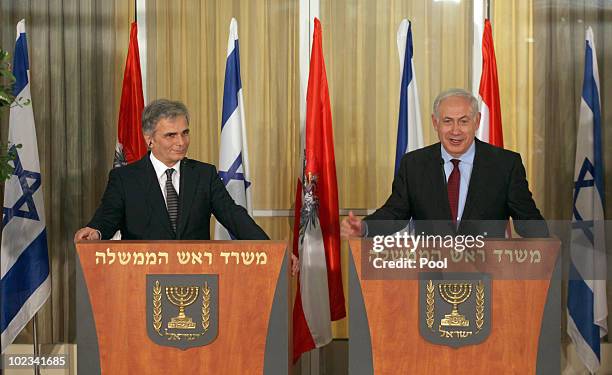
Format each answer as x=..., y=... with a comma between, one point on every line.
x=455, y=309
x=182, y=310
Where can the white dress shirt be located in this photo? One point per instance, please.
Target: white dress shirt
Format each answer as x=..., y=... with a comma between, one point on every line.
x=465, y=169
x=160, y=172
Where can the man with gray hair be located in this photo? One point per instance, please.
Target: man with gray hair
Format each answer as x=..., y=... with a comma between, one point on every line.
x=166, y=196
x=460, y=180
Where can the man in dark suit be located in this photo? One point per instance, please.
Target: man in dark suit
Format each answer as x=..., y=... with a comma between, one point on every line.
x=459, y=185
x=165, y=196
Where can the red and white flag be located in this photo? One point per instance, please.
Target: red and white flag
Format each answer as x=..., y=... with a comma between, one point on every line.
x=320, y=297
x=490, y=129
x=131, y=145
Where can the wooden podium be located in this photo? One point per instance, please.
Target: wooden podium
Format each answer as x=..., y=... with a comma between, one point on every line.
x=246, y=274
x=390, y=309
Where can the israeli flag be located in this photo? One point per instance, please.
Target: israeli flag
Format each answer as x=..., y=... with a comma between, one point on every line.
x=233, y=159
x=409, y=130
x=586, y=302
x=25, y=284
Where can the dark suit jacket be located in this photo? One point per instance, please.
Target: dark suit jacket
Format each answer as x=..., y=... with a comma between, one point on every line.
x=497, y=190
x=133, y=202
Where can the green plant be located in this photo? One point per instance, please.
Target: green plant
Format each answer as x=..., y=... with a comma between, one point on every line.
x=6, y=80
x=7, y=152
x=7, y=155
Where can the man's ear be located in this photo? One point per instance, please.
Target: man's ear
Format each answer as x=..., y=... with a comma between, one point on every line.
x=434, y=121
x=478, y=120
x=148, y=140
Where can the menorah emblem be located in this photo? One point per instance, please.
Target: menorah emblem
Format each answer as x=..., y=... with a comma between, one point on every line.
x=182, y=296
x=455, y=294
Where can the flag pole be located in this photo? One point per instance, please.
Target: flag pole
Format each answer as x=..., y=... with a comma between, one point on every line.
x=488, y=9
x=35, y=343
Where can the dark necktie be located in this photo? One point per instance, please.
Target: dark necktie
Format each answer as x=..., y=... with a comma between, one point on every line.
x=453, y=189
x=172, y=199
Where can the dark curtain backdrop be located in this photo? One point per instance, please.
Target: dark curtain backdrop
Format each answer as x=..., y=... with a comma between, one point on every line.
x=77, y=50
x=559, y=32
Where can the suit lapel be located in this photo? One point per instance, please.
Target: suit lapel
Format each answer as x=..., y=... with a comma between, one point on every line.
x=153, y=194
x=477, y=181
x=188, y=183
x=438, y=184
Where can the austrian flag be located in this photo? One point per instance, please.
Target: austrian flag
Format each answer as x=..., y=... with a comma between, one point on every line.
x=131, y=144
x=319, y=298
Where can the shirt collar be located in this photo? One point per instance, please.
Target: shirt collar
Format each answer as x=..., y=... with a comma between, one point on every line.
x=466, y=158
x=160, y=168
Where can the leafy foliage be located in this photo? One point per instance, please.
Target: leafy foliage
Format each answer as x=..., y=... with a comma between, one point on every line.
x=7, y=151
x=6, y=80
x=7, y=155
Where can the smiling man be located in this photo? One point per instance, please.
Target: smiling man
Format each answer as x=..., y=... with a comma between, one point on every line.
x=460, y=180
x=166, y=196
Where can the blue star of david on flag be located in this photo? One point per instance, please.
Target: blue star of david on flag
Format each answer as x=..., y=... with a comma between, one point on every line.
x=233, y=174
x=585, y=225
x=30, y=182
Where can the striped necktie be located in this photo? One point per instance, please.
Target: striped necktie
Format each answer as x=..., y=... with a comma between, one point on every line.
x=172, y=199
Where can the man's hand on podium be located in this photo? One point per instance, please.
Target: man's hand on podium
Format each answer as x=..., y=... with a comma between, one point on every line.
x=86, y=234
x=351, y=226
